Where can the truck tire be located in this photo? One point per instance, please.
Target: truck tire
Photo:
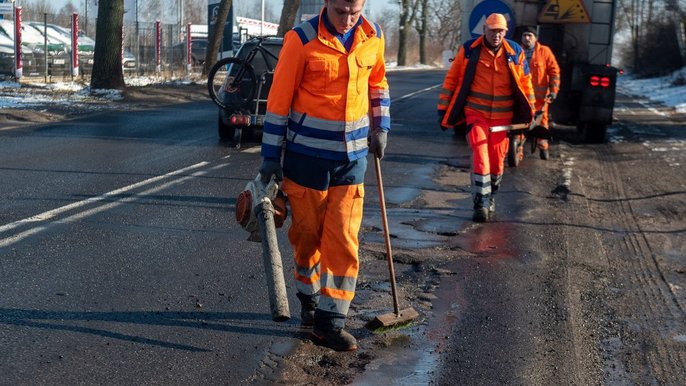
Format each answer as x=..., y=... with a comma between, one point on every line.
x=226, y=132
x=592, y=132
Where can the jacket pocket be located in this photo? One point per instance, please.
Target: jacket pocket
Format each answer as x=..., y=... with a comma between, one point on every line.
x=364, y=68
x=317, y=75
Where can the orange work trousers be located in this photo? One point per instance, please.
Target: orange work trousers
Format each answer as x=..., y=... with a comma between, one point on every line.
x=324, y=234
x=488, y=149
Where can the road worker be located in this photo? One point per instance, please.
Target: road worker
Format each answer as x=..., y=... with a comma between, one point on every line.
x=545, y=77
x=318, y=131
x=488, y=84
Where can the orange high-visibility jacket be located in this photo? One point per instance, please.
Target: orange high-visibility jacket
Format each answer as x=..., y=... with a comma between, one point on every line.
x=457, y=86
x=545, y=73
x=321, y=96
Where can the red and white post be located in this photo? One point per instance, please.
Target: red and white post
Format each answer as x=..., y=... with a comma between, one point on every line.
x=18, y=66
x=158, y=44
x=189, y=43
x=75, y=44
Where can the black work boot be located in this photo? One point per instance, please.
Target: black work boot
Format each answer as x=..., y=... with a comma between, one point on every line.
x=480, y=208
x=308, y=304
x=328, y=331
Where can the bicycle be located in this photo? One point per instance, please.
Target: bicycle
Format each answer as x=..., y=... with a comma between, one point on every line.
x=232, y=82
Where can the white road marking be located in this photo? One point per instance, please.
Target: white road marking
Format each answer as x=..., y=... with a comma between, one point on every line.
x=51, y=214
x=410, y=95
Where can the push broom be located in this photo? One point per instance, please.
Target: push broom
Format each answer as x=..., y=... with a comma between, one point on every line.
x=398, y=317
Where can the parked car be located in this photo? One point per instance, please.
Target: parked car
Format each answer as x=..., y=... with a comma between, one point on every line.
x=128, y=61
x=86, y=45
x=58, y=55
x=198, y=51
x=232, y=121
x=31, y=64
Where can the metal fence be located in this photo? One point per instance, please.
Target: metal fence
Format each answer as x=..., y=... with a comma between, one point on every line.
x=48, y=57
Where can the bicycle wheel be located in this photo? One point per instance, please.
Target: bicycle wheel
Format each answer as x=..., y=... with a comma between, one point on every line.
x=231, y=83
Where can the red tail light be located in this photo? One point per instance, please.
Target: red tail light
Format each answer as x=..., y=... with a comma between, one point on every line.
x=602, y=81
x=240, y=120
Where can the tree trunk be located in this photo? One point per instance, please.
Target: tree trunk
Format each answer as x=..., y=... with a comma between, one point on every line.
x=216, y=35
x=407, y=14
x=423, y=31
x=107, y=60
x=288, y=13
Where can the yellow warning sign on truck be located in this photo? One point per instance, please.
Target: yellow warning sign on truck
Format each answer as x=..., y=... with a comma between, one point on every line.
x=564, y=11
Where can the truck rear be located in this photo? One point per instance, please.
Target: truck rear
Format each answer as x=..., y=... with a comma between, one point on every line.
x=580, y=33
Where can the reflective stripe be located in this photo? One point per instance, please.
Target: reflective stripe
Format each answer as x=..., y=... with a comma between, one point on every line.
x=330, y=304
x=329, y=125
x=344, y=283
x=380, y=94
x=495, y=98
x=271, y=139
x=275, y=119
x=381, y=108
x=481, y=184
x=495, y=180
x=307, y=288
x=330, y=139
x=488, y=108
x=307, y=30
x=308, y=273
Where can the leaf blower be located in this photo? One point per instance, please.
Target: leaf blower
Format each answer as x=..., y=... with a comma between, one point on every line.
x=260, y=209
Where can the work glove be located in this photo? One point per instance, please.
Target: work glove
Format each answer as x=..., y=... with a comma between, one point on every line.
x=551, y=97
x=270, y=167
x=378, y=141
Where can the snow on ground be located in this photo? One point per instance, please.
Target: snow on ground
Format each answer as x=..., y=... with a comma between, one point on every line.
x=658, y=89
x=15, y=95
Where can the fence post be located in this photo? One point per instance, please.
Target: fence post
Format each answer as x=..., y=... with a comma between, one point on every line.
x=74, y=45
x=158, y=39
x=18, y=65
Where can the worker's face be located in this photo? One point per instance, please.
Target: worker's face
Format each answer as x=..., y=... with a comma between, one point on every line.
x=343, y=14
x=528, y=40
x=494, y=37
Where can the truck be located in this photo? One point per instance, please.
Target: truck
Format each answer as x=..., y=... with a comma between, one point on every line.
x=580, y=34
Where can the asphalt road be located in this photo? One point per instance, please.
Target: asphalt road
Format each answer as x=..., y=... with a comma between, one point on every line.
x=121, y=262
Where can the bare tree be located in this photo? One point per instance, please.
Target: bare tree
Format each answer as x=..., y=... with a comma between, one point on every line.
x=195, y=12
x=36, y=10
x=448, y=17
x=107, y=71
x=288, y=13
x=408, y=10
x=64, y=15
x=216, y=34
x=422, y=26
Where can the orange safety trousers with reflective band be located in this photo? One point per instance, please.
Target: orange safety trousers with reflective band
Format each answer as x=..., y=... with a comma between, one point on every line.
x=324, y=235
x=488, y=149
x=490, y=93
